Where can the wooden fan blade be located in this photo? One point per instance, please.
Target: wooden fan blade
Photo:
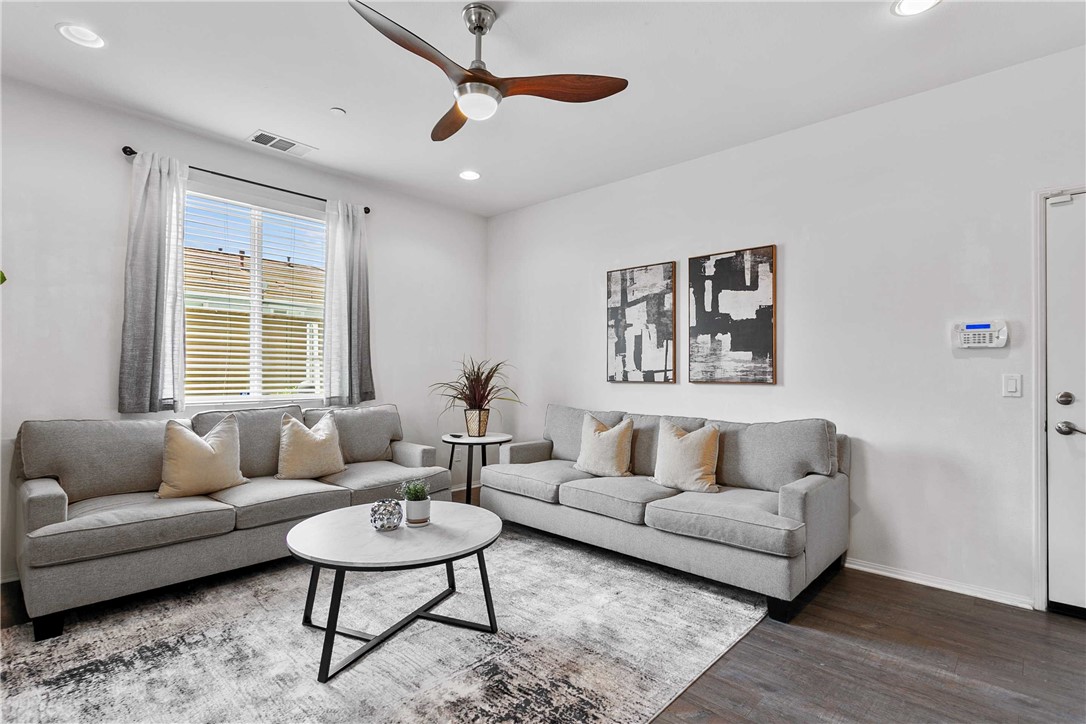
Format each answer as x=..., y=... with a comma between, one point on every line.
x=407, y=40
x=449, y=124
x=567, y=88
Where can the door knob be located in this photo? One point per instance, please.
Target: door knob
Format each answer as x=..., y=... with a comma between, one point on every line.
x=1065, y=398
x=1068, y=428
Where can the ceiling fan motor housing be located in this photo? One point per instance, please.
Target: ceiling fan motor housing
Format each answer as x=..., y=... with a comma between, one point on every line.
x=479, y=18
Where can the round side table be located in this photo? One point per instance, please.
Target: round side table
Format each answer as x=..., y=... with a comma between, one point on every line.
x=454, y=439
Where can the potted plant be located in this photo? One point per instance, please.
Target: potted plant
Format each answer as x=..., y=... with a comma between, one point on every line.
x=477, y=386
x=416, y=494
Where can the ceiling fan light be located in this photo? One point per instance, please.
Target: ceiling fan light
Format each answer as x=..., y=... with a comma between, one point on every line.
x=477, y=101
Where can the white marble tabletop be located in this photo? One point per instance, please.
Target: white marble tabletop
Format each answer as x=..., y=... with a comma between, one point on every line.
x=346, y=538
x=464, y=439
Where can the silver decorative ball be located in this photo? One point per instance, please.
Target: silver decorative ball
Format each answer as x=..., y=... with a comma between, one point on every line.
x=386, y=514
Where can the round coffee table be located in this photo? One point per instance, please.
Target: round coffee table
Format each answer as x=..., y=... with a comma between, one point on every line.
x=344, y=540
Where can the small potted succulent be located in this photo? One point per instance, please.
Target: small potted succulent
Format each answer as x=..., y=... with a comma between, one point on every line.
x=416, y=494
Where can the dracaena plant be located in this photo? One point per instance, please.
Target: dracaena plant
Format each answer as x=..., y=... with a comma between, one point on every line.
x=477, y=386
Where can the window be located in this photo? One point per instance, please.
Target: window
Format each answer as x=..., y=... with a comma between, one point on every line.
x=254, y=302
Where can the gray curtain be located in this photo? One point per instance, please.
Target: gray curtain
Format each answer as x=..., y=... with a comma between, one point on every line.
x=348, y=374
x=152, y=375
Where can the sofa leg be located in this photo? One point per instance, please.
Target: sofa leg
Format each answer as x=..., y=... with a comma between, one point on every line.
x=781, y=610
x=48, y=626
x=838, y=564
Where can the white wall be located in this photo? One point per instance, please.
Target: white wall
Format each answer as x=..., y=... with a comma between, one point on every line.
x=890, y=223
x=65, y=199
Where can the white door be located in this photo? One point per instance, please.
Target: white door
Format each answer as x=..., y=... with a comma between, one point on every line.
x=1066, y=404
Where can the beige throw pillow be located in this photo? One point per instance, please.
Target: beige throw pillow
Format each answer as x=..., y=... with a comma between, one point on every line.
x=194, y=465
x=605, y=451
x=687, y=460
x=309, y=453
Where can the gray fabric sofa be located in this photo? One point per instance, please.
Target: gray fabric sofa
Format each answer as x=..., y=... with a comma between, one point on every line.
x=89, y=527
x=780, y=519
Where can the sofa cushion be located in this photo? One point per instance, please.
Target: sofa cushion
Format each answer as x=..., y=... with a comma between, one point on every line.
x=194, y=465
x=767, y=455
x=605, y=451
x=267, y=500
x=377, y=479
x=738, y=517
x=621, y=498
x=563, y=428
x=687, y=460
x=92, y=458
x=307, y=453
x=114, y=524
x=535, y=480
x=646, y=428
x=365, y=433
x=258, y=430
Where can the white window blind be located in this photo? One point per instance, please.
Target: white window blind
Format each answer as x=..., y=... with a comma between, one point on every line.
x=254, y=302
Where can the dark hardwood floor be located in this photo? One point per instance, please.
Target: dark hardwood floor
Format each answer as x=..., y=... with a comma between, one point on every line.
x=872, y=649
x=869, y=648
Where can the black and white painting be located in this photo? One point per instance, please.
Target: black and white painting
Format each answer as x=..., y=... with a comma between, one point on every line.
x=641, y=324
x=733, y=335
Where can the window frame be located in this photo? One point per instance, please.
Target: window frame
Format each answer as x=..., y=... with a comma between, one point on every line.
x=203, y=185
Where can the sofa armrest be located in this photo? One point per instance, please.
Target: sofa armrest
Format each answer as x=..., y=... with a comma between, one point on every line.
x=41, y=502
x=822, y=503
x=413, y=455
x=535, y=451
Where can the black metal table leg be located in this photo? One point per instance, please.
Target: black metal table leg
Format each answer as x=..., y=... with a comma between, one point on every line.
x=471, y=449
x=307, y=614
x=330, y=631
x=486, y=595
x=452, y=453
x=483, y=447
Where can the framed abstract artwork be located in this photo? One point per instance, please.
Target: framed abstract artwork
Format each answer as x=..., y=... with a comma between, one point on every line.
x=733, y=316
x=641, y=323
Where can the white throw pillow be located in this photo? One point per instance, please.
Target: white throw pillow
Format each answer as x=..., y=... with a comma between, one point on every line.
x=194, y=465
x=605, y=451
x=687, y=460
x=309, y=453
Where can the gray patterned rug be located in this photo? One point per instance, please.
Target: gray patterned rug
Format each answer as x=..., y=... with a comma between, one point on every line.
x=584, y=636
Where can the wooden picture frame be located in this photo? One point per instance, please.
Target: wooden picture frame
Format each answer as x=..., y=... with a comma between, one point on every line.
x=641, y=328
x=733, y=316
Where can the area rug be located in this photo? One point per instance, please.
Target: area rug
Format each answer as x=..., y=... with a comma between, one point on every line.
x=584, y=635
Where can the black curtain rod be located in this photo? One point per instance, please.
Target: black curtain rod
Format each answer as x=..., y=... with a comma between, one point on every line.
x=129, y=151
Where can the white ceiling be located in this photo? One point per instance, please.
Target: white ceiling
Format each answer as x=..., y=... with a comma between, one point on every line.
x=703, y=77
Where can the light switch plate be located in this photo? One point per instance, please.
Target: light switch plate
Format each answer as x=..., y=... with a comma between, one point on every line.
x=1012, y=385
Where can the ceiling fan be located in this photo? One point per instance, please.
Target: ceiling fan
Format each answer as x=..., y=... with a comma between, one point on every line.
x=477, y=91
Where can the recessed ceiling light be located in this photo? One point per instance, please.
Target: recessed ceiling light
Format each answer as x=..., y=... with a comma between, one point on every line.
x=337, y=111
x=469, y=175
x=80, y=35
x=912, y=7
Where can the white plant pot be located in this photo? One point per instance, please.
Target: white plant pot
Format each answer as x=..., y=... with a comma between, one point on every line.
x=418, y=513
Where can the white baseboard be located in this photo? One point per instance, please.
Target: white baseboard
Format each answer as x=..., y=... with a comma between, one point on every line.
x=923, y=579
x=9, y=577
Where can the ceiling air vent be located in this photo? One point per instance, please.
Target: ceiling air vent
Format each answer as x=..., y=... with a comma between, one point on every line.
x=293, y=148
